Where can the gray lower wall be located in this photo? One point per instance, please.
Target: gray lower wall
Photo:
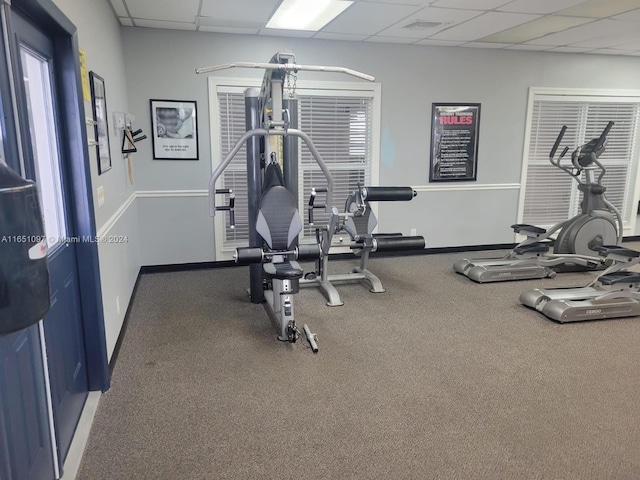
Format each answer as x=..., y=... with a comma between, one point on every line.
x=412, y=78
x=168, y=232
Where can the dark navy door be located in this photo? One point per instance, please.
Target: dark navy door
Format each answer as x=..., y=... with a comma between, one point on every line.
x=25, y=443
x=45, y=163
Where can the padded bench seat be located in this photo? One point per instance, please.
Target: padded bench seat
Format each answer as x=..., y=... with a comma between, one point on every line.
x=283, y=270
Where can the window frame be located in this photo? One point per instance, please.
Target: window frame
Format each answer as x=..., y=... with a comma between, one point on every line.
x=599, y=95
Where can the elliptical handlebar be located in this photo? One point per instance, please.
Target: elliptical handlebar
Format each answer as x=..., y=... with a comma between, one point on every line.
x=558, y=140
x=556, y=163
x=603, y=136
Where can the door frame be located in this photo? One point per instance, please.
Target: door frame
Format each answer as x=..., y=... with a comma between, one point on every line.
x=48, y=17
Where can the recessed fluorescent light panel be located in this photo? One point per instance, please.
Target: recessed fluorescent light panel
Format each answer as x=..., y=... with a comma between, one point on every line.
x=306, y=15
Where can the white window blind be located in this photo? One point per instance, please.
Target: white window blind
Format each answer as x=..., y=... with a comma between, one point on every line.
x=341, y=129
x=340, y=124
x=551, y=195
x=232, y=127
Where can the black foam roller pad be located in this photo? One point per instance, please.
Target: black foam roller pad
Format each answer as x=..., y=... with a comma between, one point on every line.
x=389, y=194
x=398, y=244
x=308, y=251
x=247, y=256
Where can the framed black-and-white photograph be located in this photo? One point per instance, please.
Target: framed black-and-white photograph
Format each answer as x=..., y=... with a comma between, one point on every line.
x=175, y=130
x=455, y=131
x=101, y=126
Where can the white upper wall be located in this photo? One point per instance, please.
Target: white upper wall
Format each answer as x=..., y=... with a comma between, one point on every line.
x=99, y=36
x=161, y=63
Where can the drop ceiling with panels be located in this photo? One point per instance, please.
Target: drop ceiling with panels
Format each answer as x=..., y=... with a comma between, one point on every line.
x=580, y=26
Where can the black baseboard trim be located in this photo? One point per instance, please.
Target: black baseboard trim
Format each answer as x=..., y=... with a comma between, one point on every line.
x=123, y=330
x=186, y=267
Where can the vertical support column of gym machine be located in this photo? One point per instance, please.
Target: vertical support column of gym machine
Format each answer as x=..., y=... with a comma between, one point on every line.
x=254, y=188
x=290, y=150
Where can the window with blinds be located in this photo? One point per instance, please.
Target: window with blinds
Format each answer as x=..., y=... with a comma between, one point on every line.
x=340, y=124
x=550, y=195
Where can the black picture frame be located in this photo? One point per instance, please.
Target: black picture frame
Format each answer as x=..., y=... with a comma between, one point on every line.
x=174, y=127
x=101, y=123
x=455, y=133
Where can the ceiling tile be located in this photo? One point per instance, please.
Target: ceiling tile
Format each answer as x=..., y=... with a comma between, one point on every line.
x=368, y=18
x=538, y=28
x=601, y=8
x=126, y=21
x=182, y=11
x=470, y=4
x=538, y=6
x=569, y=49
x=484, y=25
x=340, y=36
x=398, y=2
x=236, y=23
x=633, y=15
x=276, y=32
x=251, y=10
x=141, y=22
x=119, y=8
x=609, y=40
x=486, y=45
x=377, y=39
x=584, y=32
x=524, y=46
x=632, y=46
x=439, y=43
x=610, y=51
x=239, y=30
x=447, y=17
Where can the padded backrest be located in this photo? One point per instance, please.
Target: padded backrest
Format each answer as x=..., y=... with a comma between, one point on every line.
x=279, y=222
x=272, y=176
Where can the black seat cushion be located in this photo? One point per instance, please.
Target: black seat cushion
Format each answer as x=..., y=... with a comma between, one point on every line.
x=282, y=271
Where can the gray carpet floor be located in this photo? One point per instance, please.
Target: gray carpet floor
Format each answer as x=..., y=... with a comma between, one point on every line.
x=438, y=378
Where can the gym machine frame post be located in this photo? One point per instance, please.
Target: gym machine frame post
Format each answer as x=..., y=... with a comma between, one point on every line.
x=267, y=117
x=359, y=222
x=575, y=246
x=614, y=294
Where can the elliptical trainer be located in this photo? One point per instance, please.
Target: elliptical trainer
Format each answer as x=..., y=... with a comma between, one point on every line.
x=575, y=248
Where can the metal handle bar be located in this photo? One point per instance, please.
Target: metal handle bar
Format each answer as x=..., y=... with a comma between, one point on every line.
x=603, y=135
x=558, y=140
x=286, y=67
x=263, y=132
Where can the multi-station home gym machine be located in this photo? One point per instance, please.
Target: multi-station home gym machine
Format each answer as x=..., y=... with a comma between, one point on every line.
x=577, y=240
x=274, y=221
